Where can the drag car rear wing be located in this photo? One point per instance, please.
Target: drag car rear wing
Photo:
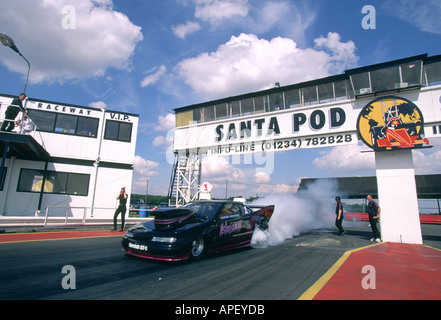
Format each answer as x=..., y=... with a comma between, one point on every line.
x=255, y=206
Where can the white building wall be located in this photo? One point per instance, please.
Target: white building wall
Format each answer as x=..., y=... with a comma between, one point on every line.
x=109, y=183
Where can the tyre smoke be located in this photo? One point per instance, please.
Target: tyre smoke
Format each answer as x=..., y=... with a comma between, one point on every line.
x=298, y=213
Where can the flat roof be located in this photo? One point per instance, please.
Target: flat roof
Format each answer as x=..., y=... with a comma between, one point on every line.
x=69, y=104
x=265, y=92
x=383, y=65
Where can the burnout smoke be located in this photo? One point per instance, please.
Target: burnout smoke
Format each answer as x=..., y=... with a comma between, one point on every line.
x=298, y=213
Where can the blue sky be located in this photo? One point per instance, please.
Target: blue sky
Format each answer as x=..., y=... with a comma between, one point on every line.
x=149, y=57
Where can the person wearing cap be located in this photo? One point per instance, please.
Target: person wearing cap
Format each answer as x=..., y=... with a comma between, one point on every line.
x=12, y=111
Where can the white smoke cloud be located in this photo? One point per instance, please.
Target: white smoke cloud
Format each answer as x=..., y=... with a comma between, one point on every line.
x=298, y=213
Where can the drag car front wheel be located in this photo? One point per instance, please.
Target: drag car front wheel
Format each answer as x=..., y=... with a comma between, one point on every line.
x=197, y=249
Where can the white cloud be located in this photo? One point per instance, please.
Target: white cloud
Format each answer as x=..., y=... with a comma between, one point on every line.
x=287, y=18
x=428, y=161
x=217, y=169
x=159, y=141
x=262, y=177
x=423, y=14
x=341, y=54
x=166, y=123
x=98, y=104
x=214, y=11
x=144, y=167
x=290, y=19
x=162, y=141
x=346, y=160
x=102, y=38
x=183, y=30
x=154, y=77
x=271, y=13
x=246, y=63
x=239, y=181
x=360, y=160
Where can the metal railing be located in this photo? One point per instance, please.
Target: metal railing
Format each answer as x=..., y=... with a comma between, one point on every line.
x=18, y=120
x=66, y=217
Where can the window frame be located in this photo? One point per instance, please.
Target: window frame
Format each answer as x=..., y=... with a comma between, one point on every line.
x=118, y=134
x=51, y=126
x=39, y=175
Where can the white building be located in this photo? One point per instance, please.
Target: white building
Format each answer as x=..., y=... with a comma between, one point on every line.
x=78, y=158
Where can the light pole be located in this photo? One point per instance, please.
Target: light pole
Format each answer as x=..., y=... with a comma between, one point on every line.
x=8, y=42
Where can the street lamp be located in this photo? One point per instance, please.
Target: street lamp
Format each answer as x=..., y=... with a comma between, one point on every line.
x=8, y=42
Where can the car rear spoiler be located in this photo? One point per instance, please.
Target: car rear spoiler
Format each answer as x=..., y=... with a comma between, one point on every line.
x=263, y=211
x=255, y=206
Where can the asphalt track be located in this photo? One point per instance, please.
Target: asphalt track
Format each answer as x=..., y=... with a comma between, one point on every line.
x=318, y=265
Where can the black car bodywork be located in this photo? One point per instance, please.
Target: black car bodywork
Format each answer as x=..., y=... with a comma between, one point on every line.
x=195, y=229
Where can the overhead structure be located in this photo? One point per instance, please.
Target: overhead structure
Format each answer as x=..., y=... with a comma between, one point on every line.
x=392, y=107
x=186, y=179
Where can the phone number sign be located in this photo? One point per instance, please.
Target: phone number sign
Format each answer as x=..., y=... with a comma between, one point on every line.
x=285, y=144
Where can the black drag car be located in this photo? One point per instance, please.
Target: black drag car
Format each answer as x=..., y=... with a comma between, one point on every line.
x=195, y=229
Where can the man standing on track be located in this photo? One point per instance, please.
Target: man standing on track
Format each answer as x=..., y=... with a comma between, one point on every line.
x=374, y=218
x=339, y=216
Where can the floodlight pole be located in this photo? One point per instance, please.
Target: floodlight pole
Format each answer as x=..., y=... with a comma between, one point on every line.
x=8, y=42
x=27, y=76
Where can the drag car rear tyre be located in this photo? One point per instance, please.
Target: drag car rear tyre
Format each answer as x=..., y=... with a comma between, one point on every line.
x=263, y=224
x=197, y=249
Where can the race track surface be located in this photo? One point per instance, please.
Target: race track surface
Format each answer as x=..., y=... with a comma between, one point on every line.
x=32, y=265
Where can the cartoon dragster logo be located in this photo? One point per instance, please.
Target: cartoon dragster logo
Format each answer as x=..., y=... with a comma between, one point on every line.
x=391, y=123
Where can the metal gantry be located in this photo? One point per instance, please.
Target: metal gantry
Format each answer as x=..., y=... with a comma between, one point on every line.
x=185, y=179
